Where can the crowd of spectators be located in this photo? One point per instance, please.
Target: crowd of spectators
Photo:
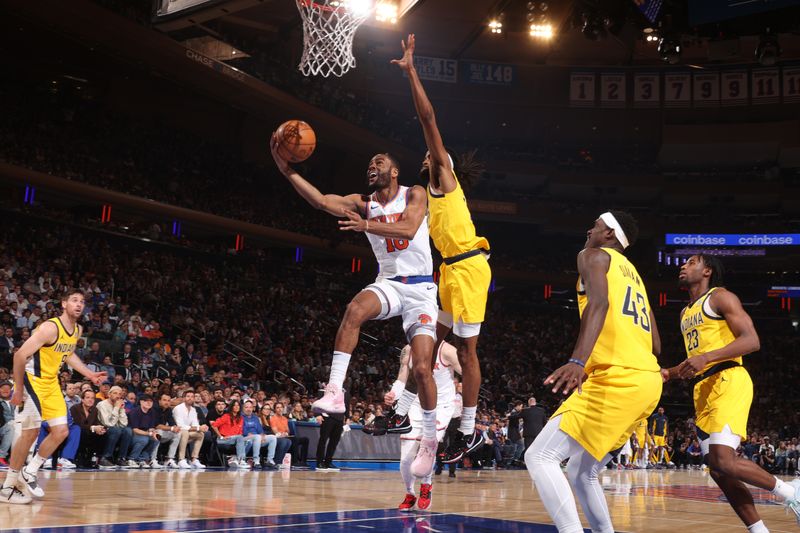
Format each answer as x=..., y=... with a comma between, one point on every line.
x=162, y=322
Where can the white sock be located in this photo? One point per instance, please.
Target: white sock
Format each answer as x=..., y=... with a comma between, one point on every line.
x=783, y=490
x=429, y=424
x=758, y=527
x=11, y=478
x=339, y=366
x=408, y=451
x=404, y=403
x=467, y=426
x=35, y=464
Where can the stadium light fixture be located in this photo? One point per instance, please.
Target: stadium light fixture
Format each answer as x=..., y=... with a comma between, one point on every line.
x=669, y=48
x=768, y=50
x=496, y=26
x=386, y=11
x=542, y=31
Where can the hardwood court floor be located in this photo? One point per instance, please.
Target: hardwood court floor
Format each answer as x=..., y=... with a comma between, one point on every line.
x=353, y=500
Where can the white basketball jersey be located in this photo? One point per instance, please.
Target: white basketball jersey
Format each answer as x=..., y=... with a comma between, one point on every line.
x=399, y=257
x=443, y=376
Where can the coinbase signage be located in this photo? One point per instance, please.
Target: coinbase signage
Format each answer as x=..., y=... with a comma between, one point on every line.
x=733, y=239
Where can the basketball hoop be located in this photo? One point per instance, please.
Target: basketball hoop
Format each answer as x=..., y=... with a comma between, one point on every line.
x=328, y=30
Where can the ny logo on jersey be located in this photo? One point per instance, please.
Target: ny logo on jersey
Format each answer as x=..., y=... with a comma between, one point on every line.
x=389, y=219
x=424, y=319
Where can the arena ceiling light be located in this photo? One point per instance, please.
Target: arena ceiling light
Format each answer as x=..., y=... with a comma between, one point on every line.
x=542, y=31
x=386, y=11
x=768, y=50
x=496, y=25
x=669, y=48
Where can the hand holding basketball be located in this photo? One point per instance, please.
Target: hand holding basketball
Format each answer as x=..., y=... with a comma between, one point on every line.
x=407, y=61
x=293, y=142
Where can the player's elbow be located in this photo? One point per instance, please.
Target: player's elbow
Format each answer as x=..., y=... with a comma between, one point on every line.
x=755, y=343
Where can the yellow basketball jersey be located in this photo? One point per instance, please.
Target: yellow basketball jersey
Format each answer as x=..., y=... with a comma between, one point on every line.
x=703, y=330
x=626, y=339
x=47, y=361
x=451, y=226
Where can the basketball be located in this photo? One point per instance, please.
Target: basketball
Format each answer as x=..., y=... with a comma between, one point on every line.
x=296, y=141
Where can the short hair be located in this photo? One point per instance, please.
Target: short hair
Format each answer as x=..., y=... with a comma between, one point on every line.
x=393, y=159
x=629, y=225
x=165, y=394
x=90, y=391
x=188, y=391
x=717, y=270
x=69, y=292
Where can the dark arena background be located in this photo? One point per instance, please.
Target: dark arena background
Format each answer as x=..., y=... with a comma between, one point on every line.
x=135, y=166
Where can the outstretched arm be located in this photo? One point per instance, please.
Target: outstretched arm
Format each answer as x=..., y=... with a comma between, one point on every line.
x=440, y=168
x=405, y=228
x=332, y=203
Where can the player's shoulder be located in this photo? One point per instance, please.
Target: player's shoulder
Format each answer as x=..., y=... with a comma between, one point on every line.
x=594, y=258
x=417, y=190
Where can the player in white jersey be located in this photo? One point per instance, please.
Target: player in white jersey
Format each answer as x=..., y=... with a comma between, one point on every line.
x=443, y=374
x=394, y=219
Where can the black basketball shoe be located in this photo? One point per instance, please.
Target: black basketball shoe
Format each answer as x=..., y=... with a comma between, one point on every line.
x=461, y=446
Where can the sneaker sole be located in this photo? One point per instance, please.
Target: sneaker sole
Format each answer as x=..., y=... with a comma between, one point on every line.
x=402, y=430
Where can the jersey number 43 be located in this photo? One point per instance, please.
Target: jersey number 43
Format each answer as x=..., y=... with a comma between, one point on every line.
x=640, y=315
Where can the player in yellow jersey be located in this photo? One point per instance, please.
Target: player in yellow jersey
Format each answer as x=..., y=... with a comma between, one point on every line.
x=614, y=373
x=717, y=332
x=38, y=397
x=464, y=276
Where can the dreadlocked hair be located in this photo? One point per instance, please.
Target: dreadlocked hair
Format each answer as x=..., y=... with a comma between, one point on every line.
x=467, y=167
x=717, y=270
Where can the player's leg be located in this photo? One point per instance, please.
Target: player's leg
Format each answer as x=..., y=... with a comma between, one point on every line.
x=408, y=451
x=373, y=302
x=466, y=343
x=543, y=459
x=723, y=463
x=419, y=316
x=423, y=374
x=582, y=470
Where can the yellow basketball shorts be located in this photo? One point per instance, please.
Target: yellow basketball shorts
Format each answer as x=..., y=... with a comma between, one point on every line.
x=724, y=398
x=641, y=438
x=42, y=401
x=464, y=288
x=613, y=401
x=659, y=441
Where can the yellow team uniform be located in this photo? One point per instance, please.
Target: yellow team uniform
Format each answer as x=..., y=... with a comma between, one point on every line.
x=641, y=433
x=624, y=383
x=464, y=283
x=43, y=399
x=723, y=397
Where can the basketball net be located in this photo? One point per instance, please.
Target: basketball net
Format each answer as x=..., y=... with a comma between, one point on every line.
x=328, y=30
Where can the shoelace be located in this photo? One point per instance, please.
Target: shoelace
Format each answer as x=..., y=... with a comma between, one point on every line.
x=425, y=493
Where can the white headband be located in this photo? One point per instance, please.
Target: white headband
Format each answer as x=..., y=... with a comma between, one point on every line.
x=612, y=223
